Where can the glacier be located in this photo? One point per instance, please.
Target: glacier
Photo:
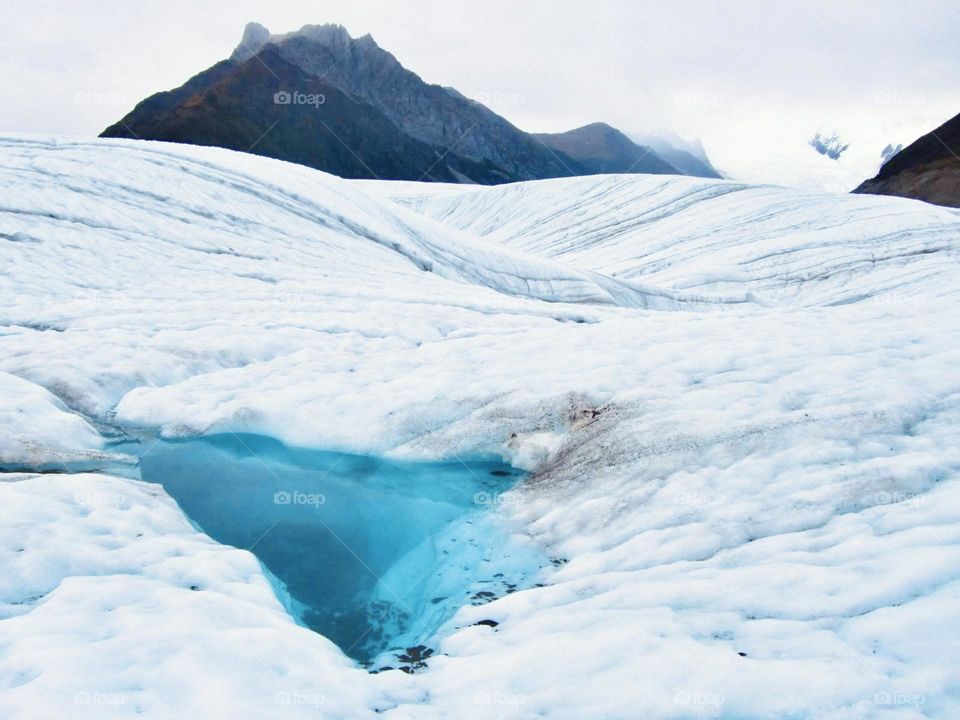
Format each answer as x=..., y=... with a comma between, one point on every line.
x=737, y=408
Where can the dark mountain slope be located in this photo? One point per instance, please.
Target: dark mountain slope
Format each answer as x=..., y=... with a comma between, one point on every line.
x=379, y=120
x=431, y=113
x=928, y=169
x=600, y=149
x=232, y=105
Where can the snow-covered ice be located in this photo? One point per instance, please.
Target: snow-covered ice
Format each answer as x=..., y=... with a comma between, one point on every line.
x=782, y=246
x=739, y=406
x=55, y=438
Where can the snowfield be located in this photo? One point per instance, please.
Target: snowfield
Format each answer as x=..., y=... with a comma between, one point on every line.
x=740, y=407
x=782, y=246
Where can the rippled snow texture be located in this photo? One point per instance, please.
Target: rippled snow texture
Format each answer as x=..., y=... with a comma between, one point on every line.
x=740, y=406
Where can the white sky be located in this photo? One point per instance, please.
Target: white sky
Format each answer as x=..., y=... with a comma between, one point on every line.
x=753, y=79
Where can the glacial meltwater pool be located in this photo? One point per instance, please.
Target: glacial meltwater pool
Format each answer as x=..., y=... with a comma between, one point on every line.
x=374, y=554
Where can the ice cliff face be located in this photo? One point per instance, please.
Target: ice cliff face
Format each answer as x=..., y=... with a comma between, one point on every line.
x=739, y=405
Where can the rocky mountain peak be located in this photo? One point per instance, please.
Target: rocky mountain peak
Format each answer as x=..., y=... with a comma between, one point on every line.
x=378, y=119
x=331, y=37
x=255, y=36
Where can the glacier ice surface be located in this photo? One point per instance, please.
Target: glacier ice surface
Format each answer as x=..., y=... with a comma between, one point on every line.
x=739, y=407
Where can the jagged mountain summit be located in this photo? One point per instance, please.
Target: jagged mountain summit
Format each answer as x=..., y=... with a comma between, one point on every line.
x=344, y=105
x=928, y=169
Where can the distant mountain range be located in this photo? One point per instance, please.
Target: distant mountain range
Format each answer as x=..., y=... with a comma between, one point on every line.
x=928, y=169
x=321, y=98
x=687, y=156
x=601, y=149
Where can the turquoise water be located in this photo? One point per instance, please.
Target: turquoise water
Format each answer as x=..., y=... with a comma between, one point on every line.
x=375, y=555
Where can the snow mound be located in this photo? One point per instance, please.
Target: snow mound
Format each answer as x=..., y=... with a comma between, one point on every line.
x=780, y=245
x=38, y=431
x=114, y=606
x=229, y=213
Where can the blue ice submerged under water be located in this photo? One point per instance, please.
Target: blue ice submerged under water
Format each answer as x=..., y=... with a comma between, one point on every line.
x=374, y=554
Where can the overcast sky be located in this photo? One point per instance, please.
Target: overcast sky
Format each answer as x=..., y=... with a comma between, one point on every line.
x=753, y=79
